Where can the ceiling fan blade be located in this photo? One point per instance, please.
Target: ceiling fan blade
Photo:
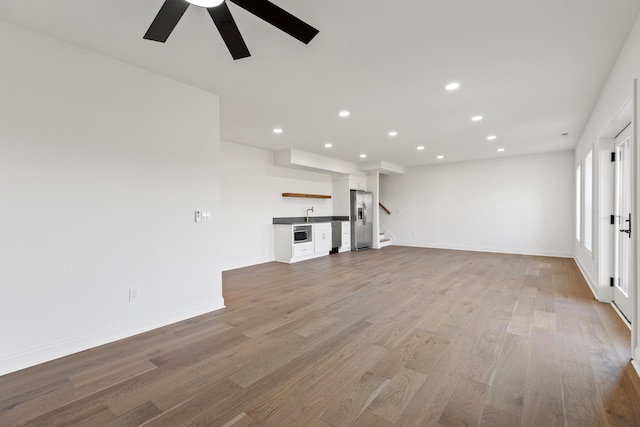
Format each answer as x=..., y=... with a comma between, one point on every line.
x=229, y=31
x=279, y=18
x=166, y=20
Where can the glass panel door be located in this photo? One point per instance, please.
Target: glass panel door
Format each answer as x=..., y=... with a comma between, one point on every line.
x=623, y=223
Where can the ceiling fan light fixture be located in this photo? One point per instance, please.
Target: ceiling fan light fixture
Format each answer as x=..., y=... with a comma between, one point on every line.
x=172, y=11
x=206, y=3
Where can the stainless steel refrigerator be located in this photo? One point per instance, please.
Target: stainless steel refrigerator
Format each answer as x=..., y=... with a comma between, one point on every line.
x=361, y=217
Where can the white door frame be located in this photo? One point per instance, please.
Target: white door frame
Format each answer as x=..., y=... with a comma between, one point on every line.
x=635, y=242
x=628, y=113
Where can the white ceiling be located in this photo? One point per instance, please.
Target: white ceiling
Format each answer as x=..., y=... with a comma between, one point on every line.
x=532, y=68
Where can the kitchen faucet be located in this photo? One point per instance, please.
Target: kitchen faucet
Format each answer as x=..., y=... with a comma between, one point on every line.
x=310, y=209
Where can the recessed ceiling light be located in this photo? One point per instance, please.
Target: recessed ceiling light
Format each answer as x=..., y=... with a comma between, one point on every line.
x=277, y=130
x=328, y=145
x=393, y=133
x=500, y=150
x=205, y=3
x=362, y=156
x=344, y=113
x=420, y=147
x=452, y=86
x=491, y=137
x=565, y=133
x=476, y=118
x=440, y=157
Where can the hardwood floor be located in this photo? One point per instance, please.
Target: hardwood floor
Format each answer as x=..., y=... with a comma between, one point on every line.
x=392, y=337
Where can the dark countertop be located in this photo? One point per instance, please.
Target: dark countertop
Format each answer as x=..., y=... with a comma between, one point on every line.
x=312, y=219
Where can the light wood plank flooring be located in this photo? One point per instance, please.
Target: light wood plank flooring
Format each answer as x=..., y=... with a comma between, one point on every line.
x=392, y=337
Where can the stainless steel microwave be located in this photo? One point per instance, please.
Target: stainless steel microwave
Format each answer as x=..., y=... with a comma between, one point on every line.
x=302, y=234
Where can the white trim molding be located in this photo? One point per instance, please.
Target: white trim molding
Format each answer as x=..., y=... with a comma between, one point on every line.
x=42, y=354
x=593, y=285
x=635, y=362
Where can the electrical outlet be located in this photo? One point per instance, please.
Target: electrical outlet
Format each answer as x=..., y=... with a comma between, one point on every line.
x=134, y=294
x=198, y=216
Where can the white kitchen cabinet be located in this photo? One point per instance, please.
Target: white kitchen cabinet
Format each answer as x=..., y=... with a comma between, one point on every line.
x=345, y=243
x=288, y=251
x=303, y=250
x=357, y=182
x=322, y=238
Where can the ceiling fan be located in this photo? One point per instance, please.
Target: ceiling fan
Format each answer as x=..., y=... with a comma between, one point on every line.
x=172, y=10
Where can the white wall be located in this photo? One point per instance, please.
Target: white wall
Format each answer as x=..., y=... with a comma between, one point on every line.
x=101, y=168
x=252, y=190
x=516, y=205
x=341, y=196
x=618, y=90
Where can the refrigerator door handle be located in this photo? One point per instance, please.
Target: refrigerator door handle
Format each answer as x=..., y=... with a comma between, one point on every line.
x=365, y=215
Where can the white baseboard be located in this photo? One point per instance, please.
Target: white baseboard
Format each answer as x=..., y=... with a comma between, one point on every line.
x=554, y=254
x=593, y=286
x=622, y=317
x=635, y=362
x=41, y=354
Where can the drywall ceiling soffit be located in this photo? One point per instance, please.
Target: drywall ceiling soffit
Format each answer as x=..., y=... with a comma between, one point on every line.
x=303, y=160
x=385, y=168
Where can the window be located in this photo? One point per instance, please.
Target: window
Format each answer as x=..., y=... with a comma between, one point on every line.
x=578, y=203
x=588, y=201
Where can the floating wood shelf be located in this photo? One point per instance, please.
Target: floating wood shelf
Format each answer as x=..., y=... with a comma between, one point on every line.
x=306, y=196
